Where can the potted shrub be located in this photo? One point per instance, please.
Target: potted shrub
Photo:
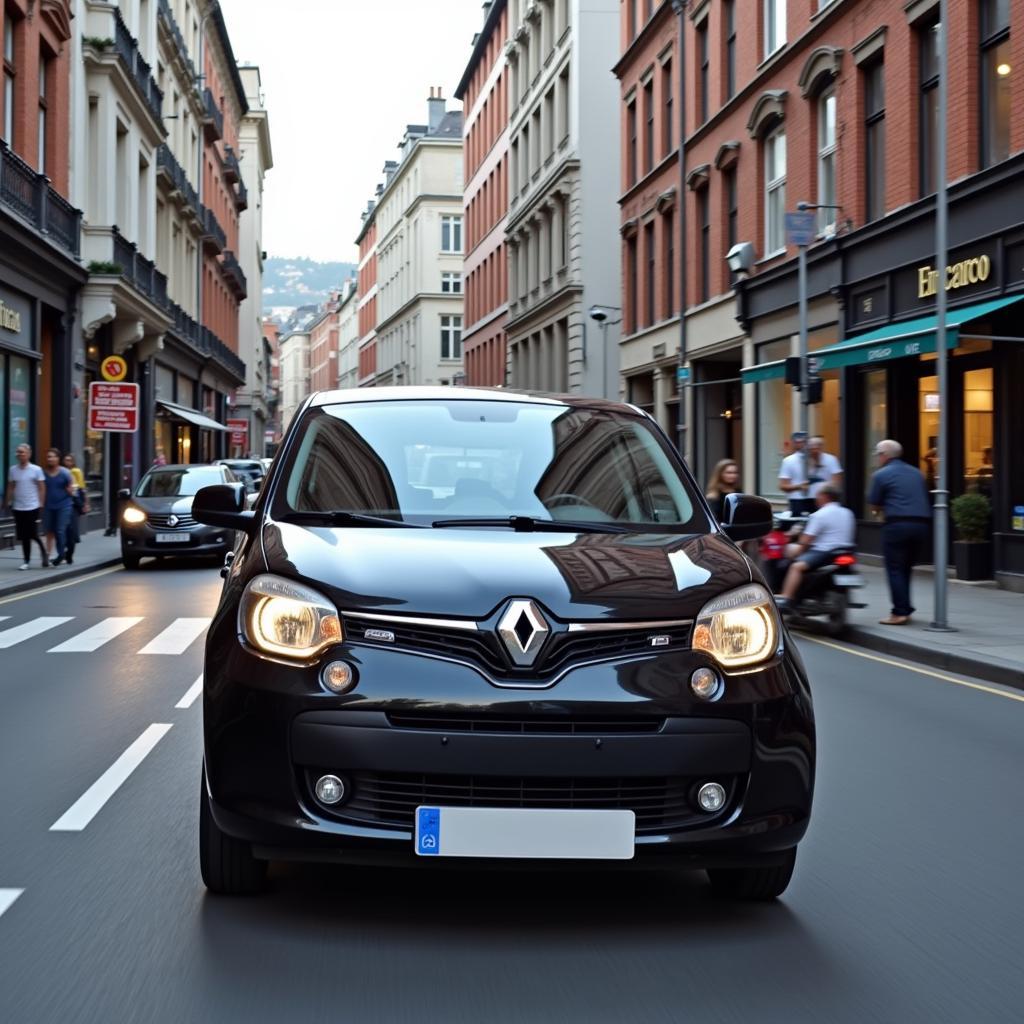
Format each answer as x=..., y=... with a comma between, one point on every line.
x=972, y=553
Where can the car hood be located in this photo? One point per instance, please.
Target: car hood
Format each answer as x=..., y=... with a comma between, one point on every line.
x=180, y=506
x=469, y=573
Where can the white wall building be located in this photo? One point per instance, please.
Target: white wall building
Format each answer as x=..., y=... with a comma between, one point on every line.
x=348, y=337
x=563, y=228
x=420, y=253
x=294, y=374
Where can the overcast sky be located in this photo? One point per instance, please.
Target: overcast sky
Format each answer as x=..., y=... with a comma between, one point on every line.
x=341, y=80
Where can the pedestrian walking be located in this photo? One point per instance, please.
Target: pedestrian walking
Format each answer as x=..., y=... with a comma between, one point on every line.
x=725, y=479
x=26, y=495
x=823, y=469
x=793, y=475
x=58, y=506
x=899, y=491
x=79, y=506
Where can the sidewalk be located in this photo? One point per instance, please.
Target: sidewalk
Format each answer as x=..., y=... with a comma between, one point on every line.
x=989, y=638
x=94, y=552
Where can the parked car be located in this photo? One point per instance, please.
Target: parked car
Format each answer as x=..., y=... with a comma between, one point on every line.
x=249, y=471
x=558, y=655
x=158, y=520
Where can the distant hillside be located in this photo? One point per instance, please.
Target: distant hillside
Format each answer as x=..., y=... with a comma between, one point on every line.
x=288, y=283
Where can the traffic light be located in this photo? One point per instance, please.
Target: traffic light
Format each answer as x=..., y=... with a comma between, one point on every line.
x=814, y=391
x=793, y=371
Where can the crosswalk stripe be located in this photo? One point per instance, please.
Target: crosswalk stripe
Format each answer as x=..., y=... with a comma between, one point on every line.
x=176, y=638
x=27, y=630
x=96, y=636
x=191, y=694
x=7, y=897
x=89, y=804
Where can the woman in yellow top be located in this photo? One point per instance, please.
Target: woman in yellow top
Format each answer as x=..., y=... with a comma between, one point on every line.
x=81, y=505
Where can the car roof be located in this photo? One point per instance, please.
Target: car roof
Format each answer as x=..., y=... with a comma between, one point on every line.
x=181, y=466
x=464, y=394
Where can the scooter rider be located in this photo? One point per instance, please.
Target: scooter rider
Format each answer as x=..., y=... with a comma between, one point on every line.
x=832, y=526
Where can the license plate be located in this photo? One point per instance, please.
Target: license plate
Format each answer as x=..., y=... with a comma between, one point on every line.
x=173, y=538
x=849, y=581
x=525, y=832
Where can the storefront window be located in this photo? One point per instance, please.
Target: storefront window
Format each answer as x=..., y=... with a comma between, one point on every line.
x=774, y=420
x=5, y=453
x=928, y=428
x=875, y=416
x=978, y=431
x=18, y=398
x=92, y=451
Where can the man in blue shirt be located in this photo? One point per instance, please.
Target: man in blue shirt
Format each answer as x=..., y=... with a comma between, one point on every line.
x=900, y=492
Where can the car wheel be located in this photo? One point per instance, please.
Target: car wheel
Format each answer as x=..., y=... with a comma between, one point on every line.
x=226, y=864
x=756, y=885
x=130, y=561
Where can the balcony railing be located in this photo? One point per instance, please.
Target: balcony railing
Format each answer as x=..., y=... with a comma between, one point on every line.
x=231, y=168
x=234, y=274
x=213, y=234
x=179, y=41
x=141, y=73
x=242, y=197
x=175, y=173
x=30, y=196
x=141, y=272
x=213, y=117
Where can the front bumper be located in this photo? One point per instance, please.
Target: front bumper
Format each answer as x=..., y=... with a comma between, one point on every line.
x=417, y=730
x=197, y=540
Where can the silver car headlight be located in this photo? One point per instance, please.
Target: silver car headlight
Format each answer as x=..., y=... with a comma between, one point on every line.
x=288, y=619
x=738, y=629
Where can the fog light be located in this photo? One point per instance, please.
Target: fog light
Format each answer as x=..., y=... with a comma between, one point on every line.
x=705, y=683
x=338, y=676
x=710, y=796
x=330, y=789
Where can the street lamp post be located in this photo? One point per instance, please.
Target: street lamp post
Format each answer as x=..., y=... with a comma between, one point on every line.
x=600, y=315
x=680, y=8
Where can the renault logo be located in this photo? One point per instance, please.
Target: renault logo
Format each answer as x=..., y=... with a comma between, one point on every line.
x=523, y=630
x=172, y=520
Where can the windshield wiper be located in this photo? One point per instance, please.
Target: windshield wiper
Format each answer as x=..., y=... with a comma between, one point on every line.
x=528, y=524
x=345, y=519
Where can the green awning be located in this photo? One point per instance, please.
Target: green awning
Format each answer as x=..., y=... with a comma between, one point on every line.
x=908, y=338
x=765, y=371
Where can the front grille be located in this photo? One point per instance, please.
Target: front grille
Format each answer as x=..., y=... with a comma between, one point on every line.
x=482, y=648
x=160, y=521
x=391, y=798
x=528, y=726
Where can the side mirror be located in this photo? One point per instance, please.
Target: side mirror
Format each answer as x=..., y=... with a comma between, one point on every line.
x=124, y=494
x=223, y=505
x=746, y=517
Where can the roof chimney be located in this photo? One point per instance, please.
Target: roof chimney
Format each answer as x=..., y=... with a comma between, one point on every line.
x=435, y=109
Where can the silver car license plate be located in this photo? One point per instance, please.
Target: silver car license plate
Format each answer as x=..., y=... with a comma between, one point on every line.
x=173, y=538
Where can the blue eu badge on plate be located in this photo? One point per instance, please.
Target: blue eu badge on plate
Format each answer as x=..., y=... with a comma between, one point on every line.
x=428, y=831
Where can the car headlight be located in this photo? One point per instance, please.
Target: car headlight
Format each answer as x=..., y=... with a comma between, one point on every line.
x=739, y=628
x=285, y=618
x=133, y=516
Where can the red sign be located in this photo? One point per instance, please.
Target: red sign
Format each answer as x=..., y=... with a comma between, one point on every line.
x=239, y=432
x=113, y=407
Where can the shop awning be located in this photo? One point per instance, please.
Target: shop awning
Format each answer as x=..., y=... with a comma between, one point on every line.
x=763, y=371
x=909, y=338
x=193, y=416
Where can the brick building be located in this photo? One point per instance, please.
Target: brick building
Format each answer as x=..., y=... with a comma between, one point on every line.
x=323, y=347
x=835, y=104
x=366, y=290
x=484, y=95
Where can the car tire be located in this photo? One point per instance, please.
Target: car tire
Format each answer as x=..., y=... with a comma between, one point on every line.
x=226, y=864
x=130, y=561
x=753, y=885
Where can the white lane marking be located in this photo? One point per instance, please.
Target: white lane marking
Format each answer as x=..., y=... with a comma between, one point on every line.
x=918, y=669
x=96, y=636
x=7, y=897
x=177, y=637
x=60, y=586
x=27, y=630
x=191, y=694
x=89, y=804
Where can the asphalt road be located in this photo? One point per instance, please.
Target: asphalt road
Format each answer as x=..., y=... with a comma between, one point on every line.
x=907, y=904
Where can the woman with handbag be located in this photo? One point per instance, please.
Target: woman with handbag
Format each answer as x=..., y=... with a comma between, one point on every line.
x=79, y=505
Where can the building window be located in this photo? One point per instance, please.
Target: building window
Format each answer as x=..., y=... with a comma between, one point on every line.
x=451, y=282
x=668, y=225
x=631, y=127
x=774, y=26
x=775, y=191
x=41, y=140
x=874, y=138
x=827, y=162
x=9, y=76
x=649, y=119
x=730, y=49
x=996, y=62
x=651, y=261
x=732, y=209
x=668, y=103
x=704, y=63
x=704, y=220
x=451, y=234
x=929, y=109
x=451, y=337
x=632, y=299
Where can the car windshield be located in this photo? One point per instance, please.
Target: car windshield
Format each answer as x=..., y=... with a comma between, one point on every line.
x=178, y=483
x=422, y=461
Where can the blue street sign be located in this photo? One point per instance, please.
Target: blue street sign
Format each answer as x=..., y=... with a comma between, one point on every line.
x=800, y=227
x=682, y=374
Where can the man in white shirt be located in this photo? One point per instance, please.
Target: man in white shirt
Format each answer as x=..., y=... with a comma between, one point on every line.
x=806, y=470
x=26, y=493
x=832, y=526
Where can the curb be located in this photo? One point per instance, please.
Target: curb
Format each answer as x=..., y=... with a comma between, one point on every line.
x=1003, y=673
x=41, y=581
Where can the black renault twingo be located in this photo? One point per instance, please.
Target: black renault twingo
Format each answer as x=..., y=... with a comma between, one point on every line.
x=466, y=625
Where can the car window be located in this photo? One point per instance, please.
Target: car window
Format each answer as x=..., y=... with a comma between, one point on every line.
x=178, y=483
x=424, y=459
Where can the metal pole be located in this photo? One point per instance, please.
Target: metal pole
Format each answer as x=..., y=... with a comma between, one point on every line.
x=680, y=6
x=804, y=408
x=941, y=492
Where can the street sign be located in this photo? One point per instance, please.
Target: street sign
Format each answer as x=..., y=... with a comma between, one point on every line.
x=800, y=227
x=114, y=407
x=813, y=367
x=114, y=368
x=239, y=432
x=683, y=374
